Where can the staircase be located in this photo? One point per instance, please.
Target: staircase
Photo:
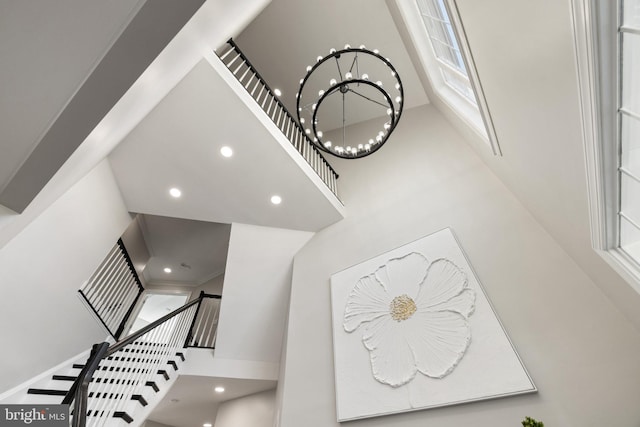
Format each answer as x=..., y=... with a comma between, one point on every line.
x=108, y=375
x=120, y=383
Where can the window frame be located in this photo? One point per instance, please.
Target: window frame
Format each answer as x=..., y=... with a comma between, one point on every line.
x=597, y=37
x=476, y=117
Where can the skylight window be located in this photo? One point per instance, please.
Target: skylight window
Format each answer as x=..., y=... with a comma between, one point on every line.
x=439, y=38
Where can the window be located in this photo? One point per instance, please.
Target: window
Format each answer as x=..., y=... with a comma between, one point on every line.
x=437, y=34
x=608, y=55
x=445, y=47
x=629, y=128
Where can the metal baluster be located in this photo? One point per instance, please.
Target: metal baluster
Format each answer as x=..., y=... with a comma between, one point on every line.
x=213, y=326
x=91, y=285
x=230, y=63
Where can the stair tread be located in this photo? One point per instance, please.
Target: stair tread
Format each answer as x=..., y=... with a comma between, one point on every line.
x=46, y=391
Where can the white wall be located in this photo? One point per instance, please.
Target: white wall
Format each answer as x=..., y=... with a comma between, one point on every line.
x=255, y=410
x=133, y=240
x=530, y=82
x=256, y=292
x=43, y=321
x=579, y=349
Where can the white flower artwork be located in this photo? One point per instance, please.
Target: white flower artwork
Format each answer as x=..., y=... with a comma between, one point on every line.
x=413, y=316
x=413, y=329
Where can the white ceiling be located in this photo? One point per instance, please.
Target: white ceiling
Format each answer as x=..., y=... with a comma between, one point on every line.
x=197, y=403
x=288, y=36
x=195, y=251
x=178, y=145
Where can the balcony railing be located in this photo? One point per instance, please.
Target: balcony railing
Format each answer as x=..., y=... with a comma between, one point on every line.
x=113, y=290
x=260, y=91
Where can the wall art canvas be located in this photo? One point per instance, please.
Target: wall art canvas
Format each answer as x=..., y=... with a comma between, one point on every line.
x=413, y=329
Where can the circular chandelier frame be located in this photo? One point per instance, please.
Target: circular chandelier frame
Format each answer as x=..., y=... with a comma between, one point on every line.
x=344, y=85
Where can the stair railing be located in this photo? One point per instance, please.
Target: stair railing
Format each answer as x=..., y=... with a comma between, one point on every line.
x=204, y=328
x=113, y=290
x=233, y=58
x=115, y=376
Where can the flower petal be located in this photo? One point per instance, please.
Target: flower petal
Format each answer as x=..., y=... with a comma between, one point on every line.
x=444, y=281
x=403, y=275
x=438, y=341
x=392, y=360
x=463, y=303
x=367, y=300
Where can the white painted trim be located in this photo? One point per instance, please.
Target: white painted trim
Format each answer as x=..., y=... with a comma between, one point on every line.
x=477, y=120
x=467, y=56
x=590, y=19
x=583, y=27
x=623, y=265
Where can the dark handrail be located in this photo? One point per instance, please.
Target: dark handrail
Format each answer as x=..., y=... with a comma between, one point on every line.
x=131, y=338
x=78, y=392
x=286, y=111
x=80, y=388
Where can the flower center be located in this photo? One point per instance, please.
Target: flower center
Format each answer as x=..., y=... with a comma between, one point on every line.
x=402, y=307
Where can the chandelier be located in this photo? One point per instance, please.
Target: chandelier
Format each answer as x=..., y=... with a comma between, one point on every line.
x=345, y=88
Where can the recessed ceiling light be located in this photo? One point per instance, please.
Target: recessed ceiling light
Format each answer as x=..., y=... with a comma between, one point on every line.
x=277, y=92
x=167, y=270
x=276, y=200
x=175, y=192
x=206, y=425
x=219, y=389
x=226, y=151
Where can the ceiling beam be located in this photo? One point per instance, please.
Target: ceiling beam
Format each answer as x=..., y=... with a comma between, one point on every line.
x=152, y=28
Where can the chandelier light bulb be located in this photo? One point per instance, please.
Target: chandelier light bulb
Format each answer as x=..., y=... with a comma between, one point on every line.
x=354, y=63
